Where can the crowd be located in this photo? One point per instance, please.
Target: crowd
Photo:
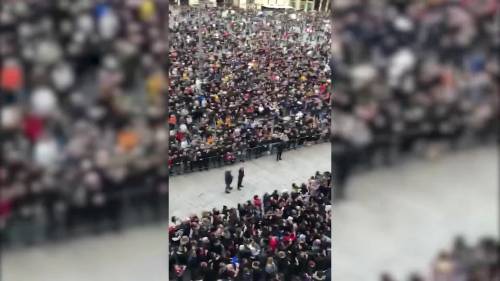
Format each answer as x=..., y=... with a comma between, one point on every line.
x=412, y=76
x=281, y=236
x=83, y=116
x=84, y=121
x=463, y=263
x=243, y=81
x=83, y=112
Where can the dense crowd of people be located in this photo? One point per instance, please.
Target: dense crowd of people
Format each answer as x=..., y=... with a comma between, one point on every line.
x=412, y=76
x=281, y=236
x=242, y=81
x=462, y=263
x=83, y=107
x=78, y=132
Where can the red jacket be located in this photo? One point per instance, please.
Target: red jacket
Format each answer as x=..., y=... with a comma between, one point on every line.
x=33, y=127
x=5, y=208
x=11, y=78
x=290, y=238
x=257, y=202
x=273, y=243
x=179, y=136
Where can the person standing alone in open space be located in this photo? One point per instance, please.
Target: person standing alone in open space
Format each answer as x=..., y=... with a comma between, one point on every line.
x=229, y=180
x=241, y=174
x=279, y=151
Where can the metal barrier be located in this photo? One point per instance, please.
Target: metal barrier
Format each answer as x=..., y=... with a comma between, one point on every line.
x=189, y=165
x=131, y=206
x=396, y=145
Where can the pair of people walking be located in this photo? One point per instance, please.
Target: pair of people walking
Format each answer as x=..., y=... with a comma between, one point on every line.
x=229, y=179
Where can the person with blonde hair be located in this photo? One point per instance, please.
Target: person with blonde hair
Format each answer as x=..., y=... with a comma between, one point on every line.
x=271, y=268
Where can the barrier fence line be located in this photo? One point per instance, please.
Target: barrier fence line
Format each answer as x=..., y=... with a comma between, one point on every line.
x=149, y=203
x=131, y=205
x=186, y=166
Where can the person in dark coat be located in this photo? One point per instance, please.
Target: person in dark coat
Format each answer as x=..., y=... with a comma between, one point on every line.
x=229, y=180
x=241, y=174
x=342, y=158
x=280, y=151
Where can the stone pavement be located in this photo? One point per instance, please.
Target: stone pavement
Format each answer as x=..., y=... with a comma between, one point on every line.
x=398, y=219
x=135, y=254
x=201, y=191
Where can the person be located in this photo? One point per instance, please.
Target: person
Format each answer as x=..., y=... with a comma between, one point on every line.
x=257, y=202
x=386, y=277
x=229, y=180
x=271, y=268
x=241, y=174
x=280, y=151
x=264, y=238
x=342, y=159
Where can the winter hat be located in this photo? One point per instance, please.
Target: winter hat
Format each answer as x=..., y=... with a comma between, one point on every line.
x=319, y=275
x=46, y=152
x=108, y=25
x=63, y=76
x=317, y=242
x=48, y=52
x=302, y=238
x=10, y=117
x=43, y=102
x=184, y=240
x=281, y=254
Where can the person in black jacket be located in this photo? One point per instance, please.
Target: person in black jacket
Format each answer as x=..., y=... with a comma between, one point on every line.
x=342, y=159
x=229, y=180
x=279, y=148
x=241, y=174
